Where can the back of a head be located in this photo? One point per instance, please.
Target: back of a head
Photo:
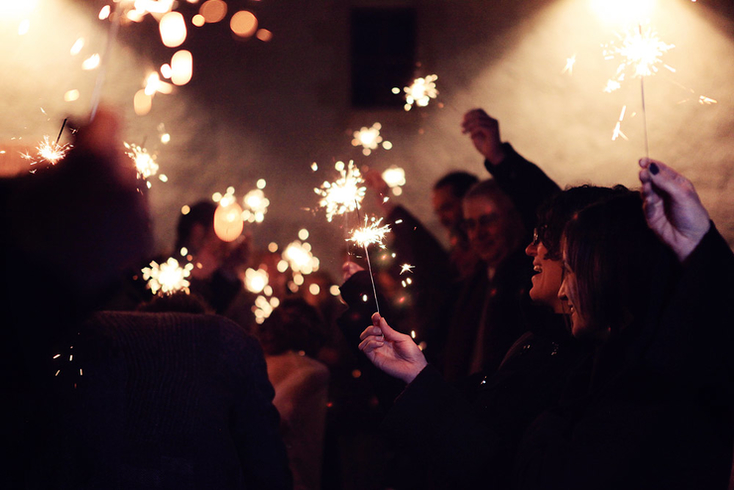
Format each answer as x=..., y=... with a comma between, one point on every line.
x=293, y=325
x=613, y=254
x=201, y=213
x=556, y=212
x=459, y=182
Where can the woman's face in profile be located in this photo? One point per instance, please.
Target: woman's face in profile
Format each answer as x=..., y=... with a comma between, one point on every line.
x=581, y=327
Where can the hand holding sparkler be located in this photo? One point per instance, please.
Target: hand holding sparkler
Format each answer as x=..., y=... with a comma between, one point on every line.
x=672, y=207
x=392, y=352
x=485, y=134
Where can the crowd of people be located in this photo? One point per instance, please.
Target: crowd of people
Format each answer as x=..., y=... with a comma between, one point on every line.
x=568, y=339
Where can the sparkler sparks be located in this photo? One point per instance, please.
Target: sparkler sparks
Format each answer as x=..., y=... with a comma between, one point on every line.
x=420, y=92
x=47, y=151
x=144, y=162
x=570, y=62
x=300, y=258
x=406, y=268
x=370, y=233
x=255, y=206
x=639, y=49
x=256, y=280
x=167, y=277
x=617, y=128
x=370, y=139
x=343, y=195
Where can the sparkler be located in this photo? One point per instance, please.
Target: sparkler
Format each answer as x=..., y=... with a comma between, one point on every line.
x=256, y=205
x=370, y=233
x=144, y=162
x=343, y=195
x=420, y=92
x=406, y=268
x=47, y=151
x=300, y=258
x=167, y=277
x=256, y=280
x=642, y=51
x=370, y=139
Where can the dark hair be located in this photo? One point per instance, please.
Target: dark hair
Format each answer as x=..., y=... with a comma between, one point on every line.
x=556, y=212
x=459, y=182
x=293, y=325
x=179, y=301
x=612, y=252
x=200, y=213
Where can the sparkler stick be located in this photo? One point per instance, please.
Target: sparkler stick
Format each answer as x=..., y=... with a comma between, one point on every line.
x=63, y=125
x=370, y=233
x=111, y=37
x=644, y=115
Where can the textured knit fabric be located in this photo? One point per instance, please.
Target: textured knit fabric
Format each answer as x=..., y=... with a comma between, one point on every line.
x=165, y=400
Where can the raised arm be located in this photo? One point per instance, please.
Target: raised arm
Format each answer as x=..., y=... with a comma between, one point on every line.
x=526, y=184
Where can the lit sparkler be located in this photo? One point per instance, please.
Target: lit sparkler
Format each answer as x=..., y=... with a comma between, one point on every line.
x=370, y=233
x=256, y=280
x=255, y=206
x=638, y=49
x=420, y=92
x=48, y=151
x=168, y=277
x=144, y=162
x=369, y=139
x=300, y=258
x=394, y=177
x=343, y=195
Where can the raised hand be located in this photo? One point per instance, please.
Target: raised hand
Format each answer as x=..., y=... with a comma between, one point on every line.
x=390, y=351
x=485, y=134
x=672, y=207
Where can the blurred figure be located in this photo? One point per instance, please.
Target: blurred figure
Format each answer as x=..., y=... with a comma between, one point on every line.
x=219, y=266
x=69, y=232
x=446, y=199
x=291, y=337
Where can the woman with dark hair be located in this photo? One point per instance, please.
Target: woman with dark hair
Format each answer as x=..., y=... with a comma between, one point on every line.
x=651, y=407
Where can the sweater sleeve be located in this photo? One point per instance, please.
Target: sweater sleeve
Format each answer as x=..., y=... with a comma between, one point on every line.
x=524, y=182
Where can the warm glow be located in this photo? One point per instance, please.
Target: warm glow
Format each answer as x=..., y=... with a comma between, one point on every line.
x=173, y=29
x=420, y=92
x=167, y=277
x=198, y=20
x=370, y=233
x=368, y=138
x=394, y=176
x=76, y=48
x=142, y=102
x=243, y=23
x=256, y=205
x=71, y=95
x=213, y=10
x=91, y=63
x=182, y=67
x=623, y=11
x=256, y=280
x=228, y=224
x=264, y=35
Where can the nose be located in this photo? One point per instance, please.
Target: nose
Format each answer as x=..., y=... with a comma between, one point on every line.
x=532, y=249
x=562, y=291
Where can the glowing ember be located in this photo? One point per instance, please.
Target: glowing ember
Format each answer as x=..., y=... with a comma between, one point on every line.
x=255, y=206
x=167, y=277
x=144, y=162
x=638, y=49
x=420, y=92
x=406, y=268
x=370, y=233
x=343, y=195
x=617, y=128
x=369, y=139
x=47, y=151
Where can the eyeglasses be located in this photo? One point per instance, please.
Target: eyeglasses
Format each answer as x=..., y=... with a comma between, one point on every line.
x=484, y=221
x=538, y=234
